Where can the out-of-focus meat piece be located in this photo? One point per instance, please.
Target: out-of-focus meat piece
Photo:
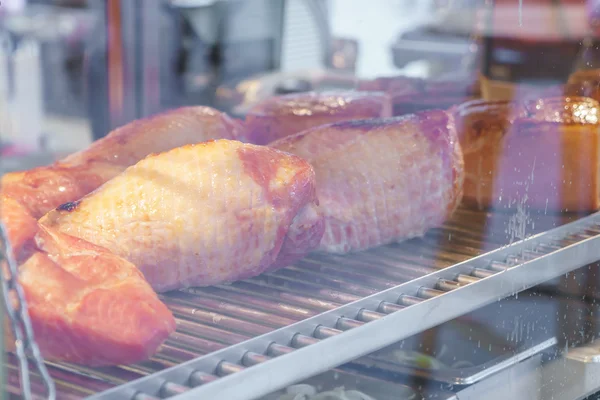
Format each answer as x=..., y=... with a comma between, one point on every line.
x=551, y=159
x=564, y=110
x=434, y=95
x=524, y=92
x=382, y=180
x=203, y=214
x=481, y=127
x=584, y=83
x=411, y=95
x=132, y=142
x=86, y=305
x=409, y=103
x=543, y=154
x=21, y=227
x=392, y=84
x=281, y=116
x=461, y=87
x=42, y=189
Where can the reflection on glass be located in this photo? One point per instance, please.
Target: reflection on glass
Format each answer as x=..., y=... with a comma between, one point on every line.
x=304, y=199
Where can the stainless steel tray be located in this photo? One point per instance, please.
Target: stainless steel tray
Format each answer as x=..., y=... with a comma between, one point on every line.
x=248, y=339
x=520, y=382
x=274, y=360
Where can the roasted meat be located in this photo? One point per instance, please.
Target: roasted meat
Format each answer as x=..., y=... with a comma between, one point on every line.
x=542, y=154
x=86, y=304
x=202, y=214
x=42, y=189
x=410, y=95
x=281, y=116
x=481, y=127
x=382, y=180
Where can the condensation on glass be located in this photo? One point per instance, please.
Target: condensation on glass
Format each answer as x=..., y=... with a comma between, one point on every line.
x=432, y=233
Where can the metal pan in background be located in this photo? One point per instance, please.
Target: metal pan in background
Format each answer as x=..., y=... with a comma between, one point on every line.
x=372, y=387
x=466, y=350
x=573, y=376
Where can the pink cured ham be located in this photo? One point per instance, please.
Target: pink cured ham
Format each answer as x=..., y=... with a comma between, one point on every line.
x=202, y=214
x=282, y=116
x=382, y=180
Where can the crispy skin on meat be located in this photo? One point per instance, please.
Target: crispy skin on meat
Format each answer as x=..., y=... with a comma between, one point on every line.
x=86, y=305
x=202, y=214
x=44, y=188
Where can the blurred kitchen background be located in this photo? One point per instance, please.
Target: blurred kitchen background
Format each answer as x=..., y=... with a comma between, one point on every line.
x=72, y=70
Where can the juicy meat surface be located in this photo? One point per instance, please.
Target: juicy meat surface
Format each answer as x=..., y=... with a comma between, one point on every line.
x=86, y=305
x=202, y=214
x=382, y=180
x=281, y=116
x=44, y=188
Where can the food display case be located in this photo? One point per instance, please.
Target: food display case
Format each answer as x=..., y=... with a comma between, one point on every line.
x=300, y=199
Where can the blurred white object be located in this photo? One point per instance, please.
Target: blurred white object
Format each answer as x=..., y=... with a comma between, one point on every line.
x=26, y=104
x=305, y=36
x=5, y=127
x=375, y=28
x=12, y=6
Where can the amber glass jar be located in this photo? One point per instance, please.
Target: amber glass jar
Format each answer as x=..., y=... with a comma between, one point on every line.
x=517, y=37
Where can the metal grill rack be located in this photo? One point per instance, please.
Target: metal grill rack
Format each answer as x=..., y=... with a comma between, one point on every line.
x=245, y=340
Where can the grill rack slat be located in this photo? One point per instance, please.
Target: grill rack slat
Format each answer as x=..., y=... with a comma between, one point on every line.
x=230, y=314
